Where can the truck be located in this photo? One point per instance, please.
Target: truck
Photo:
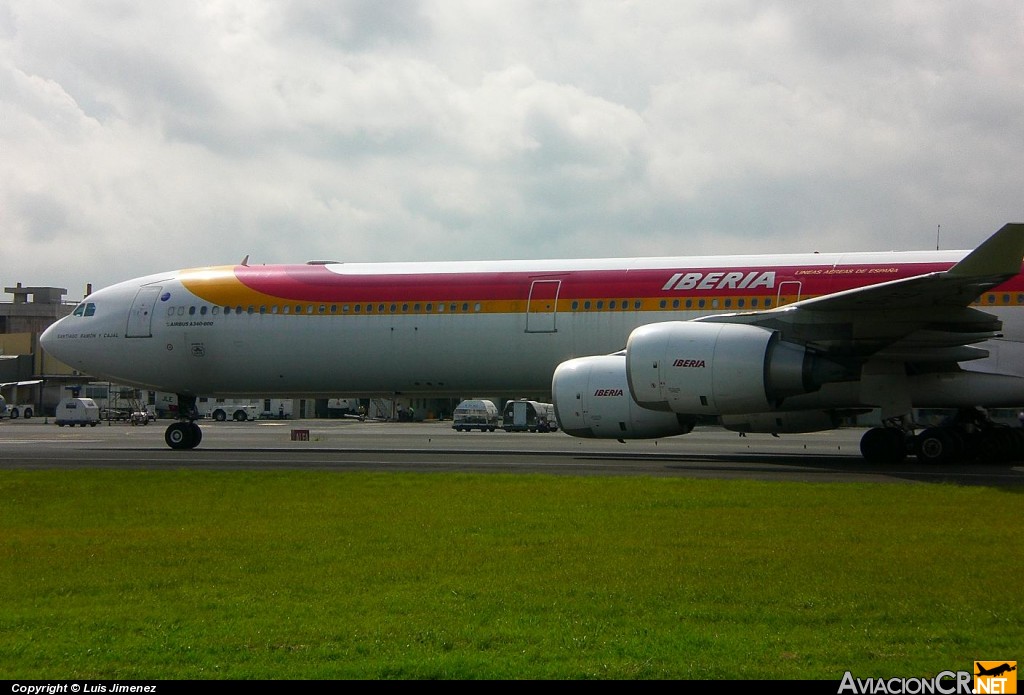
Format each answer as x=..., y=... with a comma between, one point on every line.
x=77, y=411
x=221, y=409
x=528, y=416
x=15, y=410
x=475, y=414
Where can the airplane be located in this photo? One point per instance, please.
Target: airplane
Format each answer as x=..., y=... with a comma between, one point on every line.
x=994, y=671
x=633, y=348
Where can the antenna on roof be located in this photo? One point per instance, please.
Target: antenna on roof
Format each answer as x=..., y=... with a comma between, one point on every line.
x=245, y=261
x=937, y=229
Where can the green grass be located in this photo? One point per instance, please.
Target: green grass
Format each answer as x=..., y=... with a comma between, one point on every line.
x=271, y=575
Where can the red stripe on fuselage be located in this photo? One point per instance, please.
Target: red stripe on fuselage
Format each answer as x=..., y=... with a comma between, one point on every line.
x=314, y=283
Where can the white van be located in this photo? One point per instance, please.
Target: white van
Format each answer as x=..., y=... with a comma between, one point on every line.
x=78, y=411
x=475, y=414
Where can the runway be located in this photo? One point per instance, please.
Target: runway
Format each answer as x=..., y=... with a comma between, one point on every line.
x=433, y=447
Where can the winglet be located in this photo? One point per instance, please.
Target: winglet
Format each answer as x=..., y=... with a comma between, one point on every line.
x=1000, y=254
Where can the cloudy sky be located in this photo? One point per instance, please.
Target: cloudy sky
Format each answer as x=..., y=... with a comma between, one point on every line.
x=137, y=137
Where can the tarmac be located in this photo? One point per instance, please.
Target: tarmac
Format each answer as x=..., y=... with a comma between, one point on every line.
x=434, y=447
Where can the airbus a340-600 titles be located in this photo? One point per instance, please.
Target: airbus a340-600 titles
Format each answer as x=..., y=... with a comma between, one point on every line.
x=626, y=348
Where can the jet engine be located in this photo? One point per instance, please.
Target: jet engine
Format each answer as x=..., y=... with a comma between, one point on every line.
x=699, y=368
x=591, y=399
x=671, y=373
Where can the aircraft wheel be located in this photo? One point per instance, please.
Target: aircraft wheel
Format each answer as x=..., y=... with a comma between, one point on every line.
x=197, y=434
x=883, y=445
x=936, y=445
x=181, y=435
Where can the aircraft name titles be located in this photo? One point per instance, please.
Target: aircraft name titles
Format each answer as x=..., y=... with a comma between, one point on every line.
x=734, y=280
x=699, y=364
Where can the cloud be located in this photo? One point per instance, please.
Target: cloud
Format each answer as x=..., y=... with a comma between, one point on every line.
x=141, y=137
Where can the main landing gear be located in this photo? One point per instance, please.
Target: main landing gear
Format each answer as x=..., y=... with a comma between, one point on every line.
x=969, y=436
x=185, y=433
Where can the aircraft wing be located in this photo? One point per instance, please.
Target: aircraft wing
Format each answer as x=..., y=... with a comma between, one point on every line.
x=926, y=318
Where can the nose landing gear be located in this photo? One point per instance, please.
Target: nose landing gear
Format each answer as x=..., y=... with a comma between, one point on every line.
x=185, y=433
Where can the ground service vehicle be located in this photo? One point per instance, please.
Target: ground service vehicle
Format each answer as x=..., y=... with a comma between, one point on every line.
x=475, y=414
x=528, y=416
x=77, y=411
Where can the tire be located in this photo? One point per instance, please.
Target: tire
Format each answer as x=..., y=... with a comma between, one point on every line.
x=28, y=413
x=219, y=415
x=883, y=445
x=181, y=435
x=240, y=416
x=936, y=445
x=15, y=413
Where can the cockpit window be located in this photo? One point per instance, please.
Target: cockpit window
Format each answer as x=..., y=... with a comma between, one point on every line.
x=85, y=309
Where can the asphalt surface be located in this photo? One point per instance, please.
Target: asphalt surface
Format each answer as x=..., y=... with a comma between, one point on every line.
x=434, y=447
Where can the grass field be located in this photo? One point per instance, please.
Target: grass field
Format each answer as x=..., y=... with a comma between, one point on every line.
x=281, y=575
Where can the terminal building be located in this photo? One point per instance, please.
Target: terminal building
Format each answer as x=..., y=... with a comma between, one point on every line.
x=35, y=381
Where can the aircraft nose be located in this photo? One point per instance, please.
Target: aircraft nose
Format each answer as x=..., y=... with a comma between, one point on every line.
x=50, y=343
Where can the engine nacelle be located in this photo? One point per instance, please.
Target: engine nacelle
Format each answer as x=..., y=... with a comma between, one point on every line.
x=796, y=422
x=699, y=368
x=591, y=399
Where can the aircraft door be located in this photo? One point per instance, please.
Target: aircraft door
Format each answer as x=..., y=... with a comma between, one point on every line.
x=140, y=316
x=542, y=305
x=789, y=292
